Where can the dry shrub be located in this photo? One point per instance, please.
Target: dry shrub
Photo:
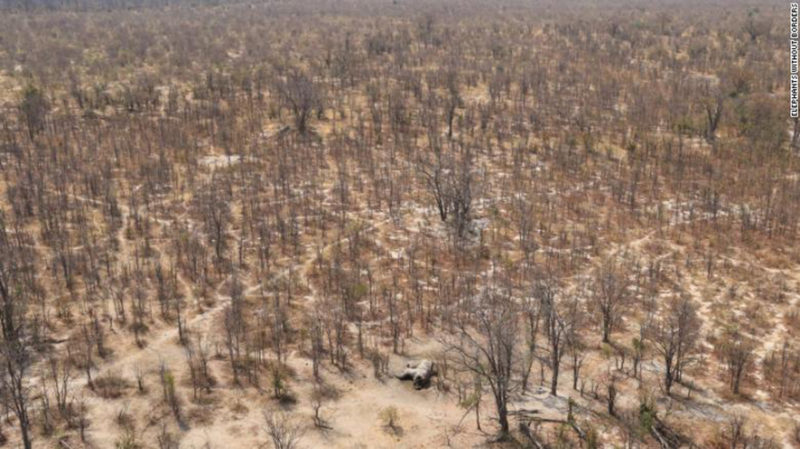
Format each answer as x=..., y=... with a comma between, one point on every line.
x=202, y=416
x=759, y=318
x=238, y=407
x=792, y=321
x=127, y=440
x=110, y=386
x=389, y=419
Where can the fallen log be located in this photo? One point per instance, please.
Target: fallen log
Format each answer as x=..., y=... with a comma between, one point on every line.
x=526, y=431
x=578, y=430
x=668, y=438
x=661, y=440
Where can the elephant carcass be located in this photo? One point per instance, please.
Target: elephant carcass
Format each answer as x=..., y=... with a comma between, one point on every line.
x=420, y=373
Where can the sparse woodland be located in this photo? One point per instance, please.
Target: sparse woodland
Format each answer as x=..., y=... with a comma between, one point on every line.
x=228, y=225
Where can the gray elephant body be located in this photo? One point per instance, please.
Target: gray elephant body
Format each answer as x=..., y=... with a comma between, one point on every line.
x=420, y=373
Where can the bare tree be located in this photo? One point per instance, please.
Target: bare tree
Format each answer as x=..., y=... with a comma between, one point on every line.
x=235, y=326
x=453, y=98
x=318, y=397
x=60, y=375
x=576, y=347
x=216, y=215
x=461, y=190
x=169, y=390
x=300, y=93
x=734, y=435
x=485, y=345
x=532, y=311
x=755, y=26
x=283, y=432
x=34, y=108
x=434, y=172
x=736, y=351
x=713, y=104
x=15, y=345
x=610, y=297
x=674, y=335
x=561, y=317
x=525, y=222
x=315, y=327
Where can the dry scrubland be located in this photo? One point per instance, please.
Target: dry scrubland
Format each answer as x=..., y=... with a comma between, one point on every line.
x=228, y=226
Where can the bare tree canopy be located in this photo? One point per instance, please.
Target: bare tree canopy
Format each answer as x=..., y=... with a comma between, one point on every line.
x=244, y=223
